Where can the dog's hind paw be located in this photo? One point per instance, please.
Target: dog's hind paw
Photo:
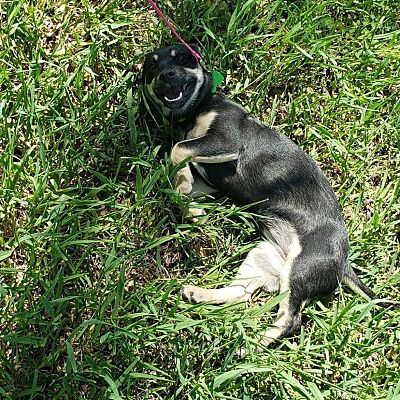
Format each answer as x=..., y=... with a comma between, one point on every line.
x=241, y=352
x=194, y=294
x=195, y=214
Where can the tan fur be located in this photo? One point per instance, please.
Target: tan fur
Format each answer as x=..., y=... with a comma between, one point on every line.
x=203, y=123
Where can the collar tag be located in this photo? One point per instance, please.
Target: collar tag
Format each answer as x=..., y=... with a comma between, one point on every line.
x=217, y=78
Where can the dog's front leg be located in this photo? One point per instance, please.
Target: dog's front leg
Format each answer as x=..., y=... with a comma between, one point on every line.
x=206, y=149
x=184, y=181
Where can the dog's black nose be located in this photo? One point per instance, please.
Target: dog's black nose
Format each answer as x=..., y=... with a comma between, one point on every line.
x=170, y=73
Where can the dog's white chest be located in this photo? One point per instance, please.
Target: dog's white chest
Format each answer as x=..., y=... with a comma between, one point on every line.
x=203, y=123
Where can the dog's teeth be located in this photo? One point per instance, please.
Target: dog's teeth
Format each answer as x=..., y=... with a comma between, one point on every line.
x=175, y=99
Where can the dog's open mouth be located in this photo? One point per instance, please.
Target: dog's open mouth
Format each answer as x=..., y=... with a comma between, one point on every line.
x=174, y=96
x=175, y=93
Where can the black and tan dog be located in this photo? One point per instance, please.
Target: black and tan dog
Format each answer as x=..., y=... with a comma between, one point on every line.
x=304, y=245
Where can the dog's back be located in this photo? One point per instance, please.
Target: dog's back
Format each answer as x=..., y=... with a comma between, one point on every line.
x=304, y=246
x=270, y=170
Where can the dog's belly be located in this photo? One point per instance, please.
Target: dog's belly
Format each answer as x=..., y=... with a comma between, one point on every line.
x=226, y=179
x=217, y=175
x=304, y=201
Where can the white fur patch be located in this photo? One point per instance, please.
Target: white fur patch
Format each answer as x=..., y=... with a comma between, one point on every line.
x=260, y=268
x=221, y=158
x=184, y=181
x=284, y=316
x=178, y=154
x=294, y=251
x=173, y=53
x=203, y=123
x=198, y=72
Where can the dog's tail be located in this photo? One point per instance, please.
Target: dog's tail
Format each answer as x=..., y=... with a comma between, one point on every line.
x=351, y=280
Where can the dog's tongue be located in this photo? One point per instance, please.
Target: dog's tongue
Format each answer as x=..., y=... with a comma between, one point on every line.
x=172, y=92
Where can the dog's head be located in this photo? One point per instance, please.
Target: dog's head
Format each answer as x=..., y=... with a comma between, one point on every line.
x=174, y=79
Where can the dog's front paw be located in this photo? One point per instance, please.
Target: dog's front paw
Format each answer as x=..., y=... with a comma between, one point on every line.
x=184, y=181
x=194, y=294
x=184, y=188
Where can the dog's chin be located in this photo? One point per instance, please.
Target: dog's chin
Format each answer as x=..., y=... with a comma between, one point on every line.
x=176, y=98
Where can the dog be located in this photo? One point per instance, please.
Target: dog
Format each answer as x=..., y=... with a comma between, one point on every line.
x=304, y=243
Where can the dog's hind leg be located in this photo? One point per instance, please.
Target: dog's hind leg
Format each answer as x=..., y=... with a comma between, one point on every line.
x=261, y=268
x=311, y=270
x=289, y=313
x=287, y=322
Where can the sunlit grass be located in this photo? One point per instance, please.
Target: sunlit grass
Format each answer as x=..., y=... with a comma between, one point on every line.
x=95, y=246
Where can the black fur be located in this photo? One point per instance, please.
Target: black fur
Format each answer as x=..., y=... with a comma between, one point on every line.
x=265, y=168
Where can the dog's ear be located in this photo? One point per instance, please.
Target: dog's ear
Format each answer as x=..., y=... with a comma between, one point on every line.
x=141, y=65
x=196, y=49
x=138, y=68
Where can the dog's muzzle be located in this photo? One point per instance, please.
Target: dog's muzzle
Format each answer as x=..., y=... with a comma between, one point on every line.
x=174, y=88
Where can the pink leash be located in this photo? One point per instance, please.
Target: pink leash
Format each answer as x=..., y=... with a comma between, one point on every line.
x=173, y=31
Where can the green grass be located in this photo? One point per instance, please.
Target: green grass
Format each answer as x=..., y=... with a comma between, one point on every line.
x=95, y=246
